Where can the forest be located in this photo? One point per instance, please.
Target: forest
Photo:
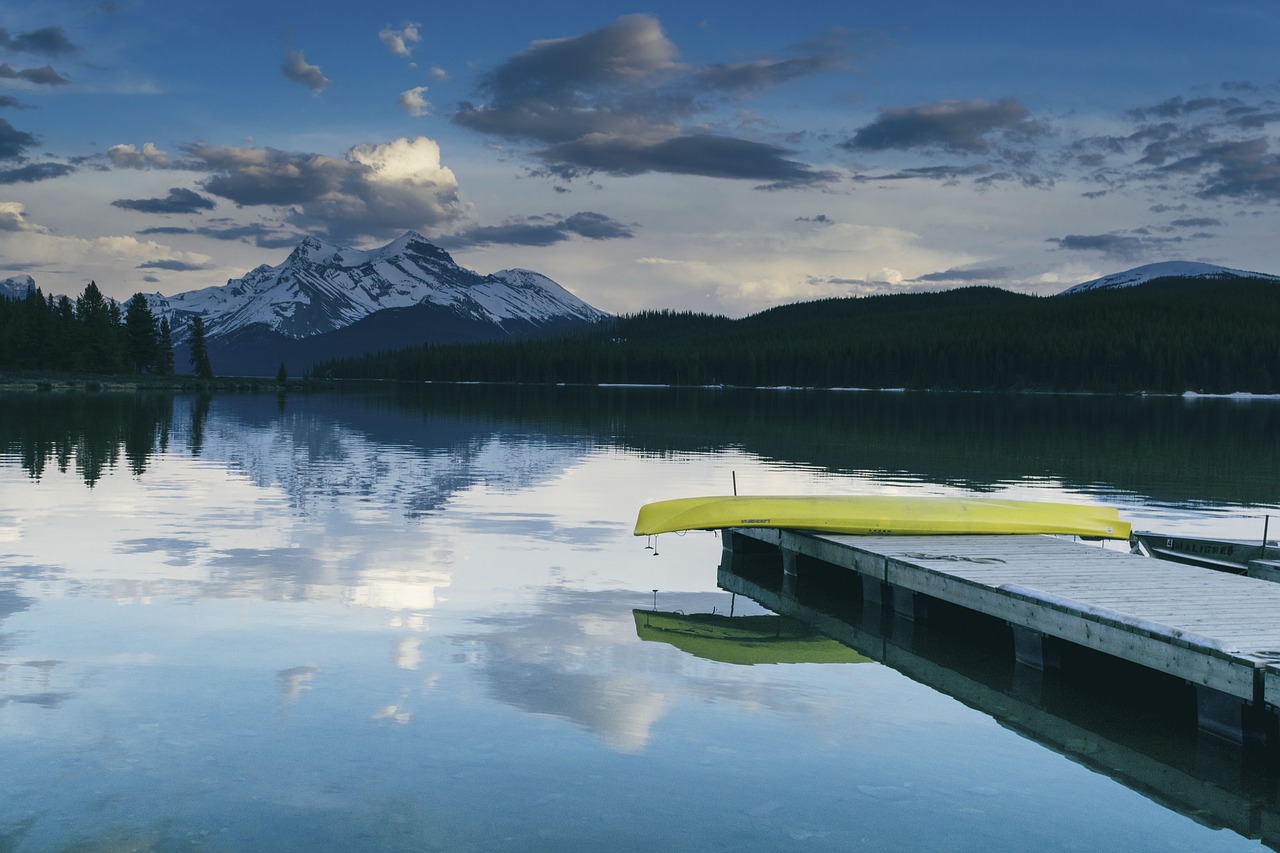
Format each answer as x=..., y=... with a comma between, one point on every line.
x=1165, y=336
x=91, y=334
x=1168, y=335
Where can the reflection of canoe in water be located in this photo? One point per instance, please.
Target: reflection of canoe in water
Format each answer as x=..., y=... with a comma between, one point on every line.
x=742, y=639
x=881, y=515
x=1222, y=554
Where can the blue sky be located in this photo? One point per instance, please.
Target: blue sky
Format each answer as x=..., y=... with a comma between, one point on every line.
x=712, y=156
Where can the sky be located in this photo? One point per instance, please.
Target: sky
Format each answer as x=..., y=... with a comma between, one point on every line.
x=709, y=156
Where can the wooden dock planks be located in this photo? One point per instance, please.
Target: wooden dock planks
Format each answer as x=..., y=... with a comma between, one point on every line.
x=1218, y=630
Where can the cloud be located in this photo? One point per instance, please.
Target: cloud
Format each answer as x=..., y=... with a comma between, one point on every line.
x=51, y=41
x=699, y=154
x=173, y=265
x=959, y=127
x=298, y=70
x=399, y=41
x=412, y=102
x=33, y=172
x=377, y=190
x=13, y=142
x=616, y=100
x=12, y=103
x=820, y=219
x=1197, y=222
x=13, y=218
x=45, y=76
x=1244, y=169
x=950, y=174
x=179, y=200
x=1129, y=247
x=966, y=276
x=130, y=157
x=541, y=231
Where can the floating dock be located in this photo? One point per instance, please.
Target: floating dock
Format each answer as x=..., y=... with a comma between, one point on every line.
x=1218, y=632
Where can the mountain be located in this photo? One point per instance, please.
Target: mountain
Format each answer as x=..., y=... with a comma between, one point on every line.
x=16, y=287
x=328, y=301
x=1166, y=269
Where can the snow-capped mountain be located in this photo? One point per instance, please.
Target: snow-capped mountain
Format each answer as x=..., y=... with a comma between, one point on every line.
x=1166, y=269
x=16, y=287
x=322, y=287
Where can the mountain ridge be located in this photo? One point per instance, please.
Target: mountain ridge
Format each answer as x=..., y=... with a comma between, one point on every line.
x=1164, y=269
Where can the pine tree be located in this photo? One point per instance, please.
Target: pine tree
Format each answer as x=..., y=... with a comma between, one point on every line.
x=140, y=334
x=164, y=349
x=199, y=354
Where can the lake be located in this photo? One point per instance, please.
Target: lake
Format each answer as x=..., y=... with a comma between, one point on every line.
x=415, y=618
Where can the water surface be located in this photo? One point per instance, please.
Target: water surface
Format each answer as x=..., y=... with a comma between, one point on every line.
x=404, y=619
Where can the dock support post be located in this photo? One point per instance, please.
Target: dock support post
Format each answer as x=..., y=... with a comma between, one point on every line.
x=1032, y=648
x=1232, y=719
x=872, y=591
x=790, y=572
x=910, y=605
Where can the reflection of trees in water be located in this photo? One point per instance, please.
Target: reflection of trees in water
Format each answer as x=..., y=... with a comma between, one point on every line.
x=1166, y=448
x=91, y=432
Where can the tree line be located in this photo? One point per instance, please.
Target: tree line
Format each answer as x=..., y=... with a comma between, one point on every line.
x=93, y=334
x=1169, y=335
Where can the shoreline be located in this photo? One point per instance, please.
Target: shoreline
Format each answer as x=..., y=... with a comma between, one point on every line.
x=86, y=383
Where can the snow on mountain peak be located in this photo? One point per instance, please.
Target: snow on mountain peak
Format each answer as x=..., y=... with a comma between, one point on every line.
x=1164, y=269
x=16, y=287
x=322, y=287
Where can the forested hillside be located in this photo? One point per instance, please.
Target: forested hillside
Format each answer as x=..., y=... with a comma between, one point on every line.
x=1165, y=336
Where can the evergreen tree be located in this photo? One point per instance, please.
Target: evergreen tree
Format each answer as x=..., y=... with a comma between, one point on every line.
x=97, y=331
x=141, y=335
x=282, y=374
x=164, y=349
x=199, y=354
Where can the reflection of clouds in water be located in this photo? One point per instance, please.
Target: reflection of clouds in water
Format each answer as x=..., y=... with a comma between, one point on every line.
x=181, y=552
x=295, y=680
x=28, y=683
x=408, y=652
x=578, y=658
x=543, y=527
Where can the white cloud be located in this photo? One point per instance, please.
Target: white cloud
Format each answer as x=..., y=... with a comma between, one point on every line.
x=400, y=42
x=13, y=219
x=130, y=157
x=413, y=103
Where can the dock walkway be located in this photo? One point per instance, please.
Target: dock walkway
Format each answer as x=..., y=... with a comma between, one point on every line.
x=1218, y=631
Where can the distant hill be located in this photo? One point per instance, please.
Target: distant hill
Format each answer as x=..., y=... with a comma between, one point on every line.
x=1166, y=270
x=1215, y=336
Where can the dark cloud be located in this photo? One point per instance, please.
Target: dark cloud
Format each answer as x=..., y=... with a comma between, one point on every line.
x=260, y=235
x=1133, y=246
x=820, y=219
x=11, y=103
x=179, y=200
x=45, y=76
x=615, y=100
x=700, y=154
x=1196, y=222
x=377, y=190
x=51, y=41
x=967, y=276
x=169, y=230
x=13, y=142
x=172, y=266
x=541, y=231
x=295, y=68
x=1115, y=245
x=961, y=127
x=33, y=172
x=1244, y=169
x=932, y=173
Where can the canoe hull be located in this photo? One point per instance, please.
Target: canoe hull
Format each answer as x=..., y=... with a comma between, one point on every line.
x=881, y=515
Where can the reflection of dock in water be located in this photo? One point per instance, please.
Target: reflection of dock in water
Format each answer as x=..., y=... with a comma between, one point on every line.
x=745, y=640
x=1125, y=732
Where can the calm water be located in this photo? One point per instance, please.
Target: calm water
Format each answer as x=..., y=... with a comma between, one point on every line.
x=403, y=620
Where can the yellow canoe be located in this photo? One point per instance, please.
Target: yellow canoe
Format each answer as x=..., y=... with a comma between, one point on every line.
x=881, y=515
